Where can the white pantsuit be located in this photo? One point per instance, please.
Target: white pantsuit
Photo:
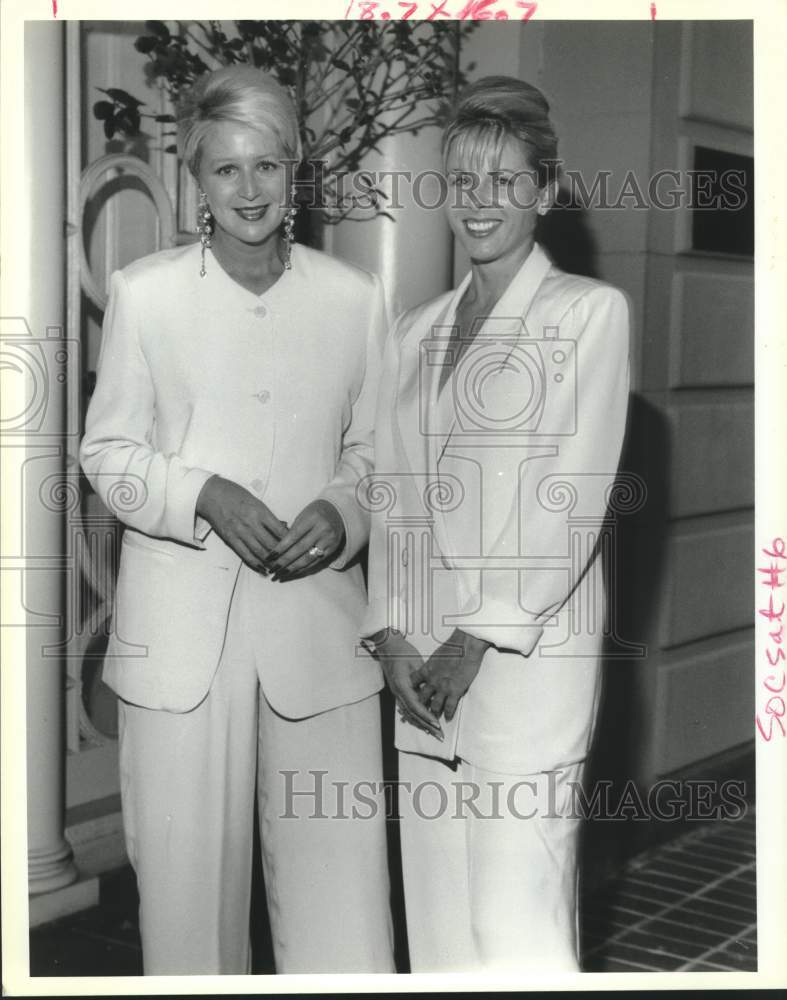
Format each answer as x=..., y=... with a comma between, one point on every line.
x=487, y=501
x=484, y=887
x=190, y=841
x=223, y=673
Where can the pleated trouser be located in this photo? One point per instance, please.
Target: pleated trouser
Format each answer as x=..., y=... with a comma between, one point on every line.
x=487, y=885
x=187, y=787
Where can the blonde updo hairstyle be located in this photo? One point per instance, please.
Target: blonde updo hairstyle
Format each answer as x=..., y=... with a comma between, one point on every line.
x=494, y=109
x=239, y=94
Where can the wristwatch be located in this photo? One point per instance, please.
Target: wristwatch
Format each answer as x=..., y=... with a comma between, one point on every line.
x=375, y=642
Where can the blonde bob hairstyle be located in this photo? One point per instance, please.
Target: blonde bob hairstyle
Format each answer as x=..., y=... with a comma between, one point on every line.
x=239, y=94
x=494, y=109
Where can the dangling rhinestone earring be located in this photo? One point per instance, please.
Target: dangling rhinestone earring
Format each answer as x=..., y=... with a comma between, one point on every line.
x=204, y=227
x=289, y=228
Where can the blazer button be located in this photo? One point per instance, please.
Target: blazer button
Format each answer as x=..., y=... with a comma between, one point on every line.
x=260, y=312
x=263, y=396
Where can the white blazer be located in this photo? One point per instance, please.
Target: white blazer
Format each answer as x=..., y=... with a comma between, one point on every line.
x=488, y=497
x=276, y=392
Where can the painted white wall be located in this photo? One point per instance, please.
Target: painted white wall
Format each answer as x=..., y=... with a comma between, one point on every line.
x=411, y=251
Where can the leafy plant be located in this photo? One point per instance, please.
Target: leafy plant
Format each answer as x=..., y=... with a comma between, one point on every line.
x=354, y=83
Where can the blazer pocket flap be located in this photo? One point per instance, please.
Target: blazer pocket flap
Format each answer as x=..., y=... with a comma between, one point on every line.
x=170, y=610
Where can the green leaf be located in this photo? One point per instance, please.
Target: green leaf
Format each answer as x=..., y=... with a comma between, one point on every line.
x=158, y=28
x=250, y=29
x=128, y=121
x=122, y=97
x=103, y=110
x=145, y=44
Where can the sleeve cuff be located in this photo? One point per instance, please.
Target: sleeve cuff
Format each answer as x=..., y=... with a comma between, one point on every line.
x=350, y=548
x=186, y=525
x=384, y=613
x=522, y=638
x=202, y=528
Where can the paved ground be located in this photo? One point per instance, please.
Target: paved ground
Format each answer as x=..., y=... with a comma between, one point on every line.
x=688, y=905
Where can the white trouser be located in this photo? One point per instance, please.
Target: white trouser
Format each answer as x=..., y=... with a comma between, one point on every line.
x=187, y=786
x=488, y=885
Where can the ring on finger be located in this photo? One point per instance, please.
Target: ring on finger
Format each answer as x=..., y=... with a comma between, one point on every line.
x=316, y=552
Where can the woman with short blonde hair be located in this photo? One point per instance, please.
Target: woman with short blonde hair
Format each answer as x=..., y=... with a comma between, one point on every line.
x=243, y=95
x=501, y=402
x=235, y=399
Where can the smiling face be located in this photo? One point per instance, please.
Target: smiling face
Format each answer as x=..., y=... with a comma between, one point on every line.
x=241, y=170
x=494, y=201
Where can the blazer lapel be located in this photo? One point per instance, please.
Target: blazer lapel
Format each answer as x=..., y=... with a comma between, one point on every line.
x=432, y=339
x=516, y=300
x=431, y=425
x=512, y=306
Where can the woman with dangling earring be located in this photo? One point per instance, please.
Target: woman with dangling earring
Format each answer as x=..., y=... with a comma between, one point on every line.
x=230, y=425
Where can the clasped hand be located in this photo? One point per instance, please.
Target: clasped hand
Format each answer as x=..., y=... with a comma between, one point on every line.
x=449, y=672
x=400, y=661
x=265, y=543
x=425, y=690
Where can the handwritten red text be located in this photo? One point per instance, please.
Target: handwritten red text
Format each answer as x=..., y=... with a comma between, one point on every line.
x=772, y=577
x=435, y=10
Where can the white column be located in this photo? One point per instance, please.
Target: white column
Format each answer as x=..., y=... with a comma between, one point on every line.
x=412, y=252
x=50, y=860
